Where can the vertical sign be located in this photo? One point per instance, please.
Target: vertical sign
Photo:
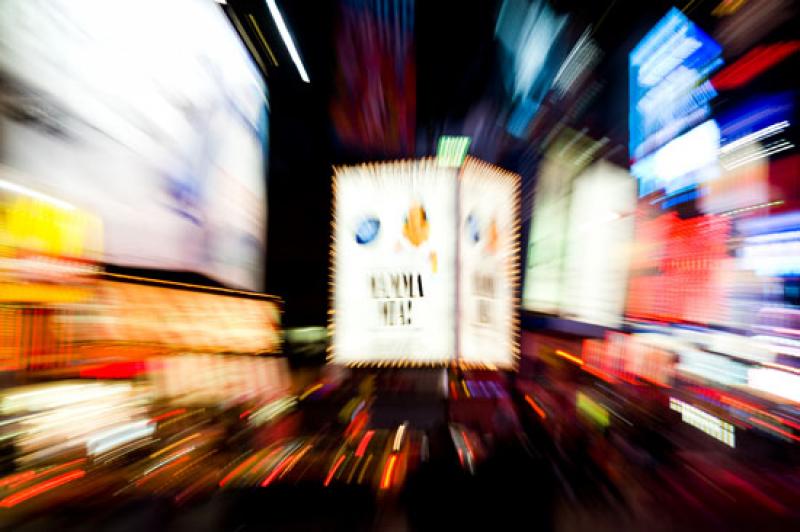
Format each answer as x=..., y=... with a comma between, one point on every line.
x=394, y=263
x=488, y=272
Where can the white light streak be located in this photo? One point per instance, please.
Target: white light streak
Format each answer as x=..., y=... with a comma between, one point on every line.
x=771, y=150
x=19, y=189
x=287, y=39
x=398, y=437
x=755, y=136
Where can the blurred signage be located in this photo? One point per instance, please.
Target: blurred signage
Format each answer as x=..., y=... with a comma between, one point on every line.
x=598, y=244
x=163, y=142
x=685, y=161
x=204, y=379
x=716, y=368
x=488, y=246
x=32, y=225
x=394, y=263
x=592, y=410
x=181, y=319
x=699, y=419
x=399, y=246
x=626, y=356
x=783, y=384
x=669, y=92
x=678, y=269
x=47, y=247
x=452, y=150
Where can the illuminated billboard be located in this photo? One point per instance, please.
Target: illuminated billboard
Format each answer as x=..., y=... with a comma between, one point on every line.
x=668, y=87
x=578, y=248
x=394, y=263
x=488, y=272
x=148, y=114
x=424, y=264
x=597, y=246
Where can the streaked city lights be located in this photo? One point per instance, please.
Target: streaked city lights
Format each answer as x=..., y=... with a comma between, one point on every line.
x=505, y=265
x=287, y=40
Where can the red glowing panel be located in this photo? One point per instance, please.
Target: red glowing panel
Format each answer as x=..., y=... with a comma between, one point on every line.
x=677, y=276
x=753, y=63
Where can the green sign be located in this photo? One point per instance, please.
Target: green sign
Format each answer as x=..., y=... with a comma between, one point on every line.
x=452, y=150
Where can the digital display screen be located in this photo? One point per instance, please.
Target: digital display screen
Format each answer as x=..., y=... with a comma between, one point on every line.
x=154, y=125
x=668, y=72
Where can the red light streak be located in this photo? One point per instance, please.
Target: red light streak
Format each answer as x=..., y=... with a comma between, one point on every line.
x=753, y=63
x=238, y=469
x=536, y=407
x=333, y=471
x=246, y=413
x=775, y=429
x=17, y=478
x=42, y=487
x=117, y=370
x=599, y=374
x=166, y=415
x=362, y=445
x=467, y=444
x=30, y=475
x=277, y=469
x=386, y=481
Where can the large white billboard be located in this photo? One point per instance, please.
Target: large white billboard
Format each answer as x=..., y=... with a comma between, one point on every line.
x=488, y=271
x=149, y=114
x=394, y=297
x=598, y=242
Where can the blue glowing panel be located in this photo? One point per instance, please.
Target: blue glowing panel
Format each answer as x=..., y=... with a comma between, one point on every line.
x=669, y=91
x=755, y=114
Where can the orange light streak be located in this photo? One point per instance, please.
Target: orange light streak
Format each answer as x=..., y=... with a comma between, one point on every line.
x=386, y=481
x=42, y=487
x=535, y=406
x=571, y=358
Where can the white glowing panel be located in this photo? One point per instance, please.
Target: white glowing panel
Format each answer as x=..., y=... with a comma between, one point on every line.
x=687, y=160
x=544, y=257
x=699, y=419
x=776, y=382
x=394, y=264
x=598, y=245
x=152, y=116
x=488, y=270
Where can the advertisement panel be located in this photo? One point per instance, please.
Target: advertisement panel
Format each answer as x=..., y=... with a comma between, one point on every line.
x=598, y=245
x=488, y=248
x=669, y=91
x=394, y=297
x=155, y=125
